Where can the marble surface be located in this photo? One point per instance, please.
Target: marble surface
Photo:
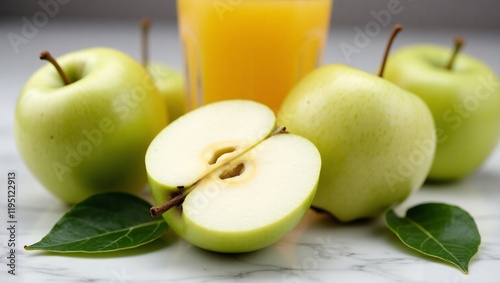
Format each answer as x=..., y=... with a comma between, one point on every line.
x=319, y=249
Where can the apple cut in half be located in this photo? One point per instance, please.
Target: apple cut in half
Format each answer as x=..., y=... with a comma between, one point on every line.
x=226, y=181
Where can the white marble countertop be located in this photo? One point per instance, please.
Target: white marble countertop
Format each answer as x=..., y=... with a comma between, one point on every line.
x=318, y=250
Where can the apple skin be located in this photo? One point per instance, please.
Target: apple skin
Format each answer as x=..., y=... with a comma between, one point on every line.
x=90, y=136
x=465, y=104
x=225, y=241
x=170, y=83
x=250, y=210
x=368, y=132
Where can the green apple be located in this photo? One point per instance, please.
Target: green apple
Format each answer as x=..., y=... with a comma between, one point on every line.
x=464, y=101
x=169, y=82
x=376, y=140
x=224, y=182
x=90, y=135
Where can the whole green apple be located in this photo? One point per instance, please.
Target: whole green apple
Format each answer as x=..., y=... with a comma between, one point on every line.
x=464, y=101
x=90, y=135
x=169, y=82
x=226, y=182
x=376, y=140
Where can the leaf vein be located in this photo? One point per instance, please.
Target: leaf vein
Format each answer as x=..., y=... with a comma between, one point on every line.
x=435, y=240
x=85, y=239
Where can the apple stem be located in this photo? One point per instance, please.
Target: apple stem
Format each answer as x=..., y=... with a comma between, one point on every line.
x=397, y=28
x=145, y=24
x=160, y=209
x=279, y=130
x=45, y=55
x=459, y=42
x=175, y=201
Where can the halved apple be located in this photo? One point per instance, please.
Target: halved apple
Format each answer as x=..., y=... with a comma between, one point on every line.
x=227, y=180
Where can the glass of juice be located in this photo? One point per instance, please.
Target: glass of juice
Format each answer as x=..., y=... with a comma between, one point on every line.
x=250, y=49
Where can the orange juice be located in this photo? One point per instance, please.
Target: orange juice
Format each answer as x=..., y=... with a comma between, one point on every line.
x=250, y=49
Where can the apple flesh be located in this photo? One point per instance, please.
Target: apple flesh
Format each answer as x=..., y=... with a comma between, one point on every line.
x=376, y=140
x=90, y=136
x=464, y=101
x=247, y=187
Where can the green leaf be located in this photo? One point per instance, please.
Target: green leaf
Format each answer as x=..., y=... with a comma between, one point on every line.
x=438, y=230
x=103, y=223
